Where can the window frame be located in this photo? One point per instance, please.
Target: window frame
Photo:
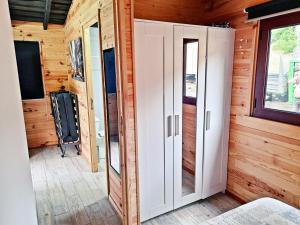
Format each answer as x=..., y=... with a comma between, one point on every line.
x=187, y=99
x=263, y=52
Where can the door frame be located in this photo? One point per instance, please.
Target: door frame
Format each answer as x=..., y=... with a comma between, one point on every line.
x=89, y=90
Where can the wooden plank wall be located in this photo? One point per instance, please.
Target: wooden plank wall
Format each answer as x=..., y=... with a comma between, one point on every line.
x=113, y=114
x=81, y=12
x=129, y=155
x=179, y=11
x=39, y=122
x=264, y=156
x=189, y=11
x=189, y=122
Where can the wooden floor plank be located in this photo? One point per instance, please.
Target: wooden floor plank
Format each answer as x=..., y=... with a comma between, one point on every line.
x=67, y=193
x=196, y=213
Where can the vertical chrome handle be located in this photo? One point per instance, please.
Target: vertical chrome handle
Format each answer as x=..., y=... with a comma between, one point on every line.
x=176, y=125
x=169, y=125
x=208, y=120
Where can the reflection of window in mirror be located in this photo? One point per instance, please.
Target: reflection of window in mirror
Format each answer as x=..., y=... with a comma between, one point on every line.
x=190, y=70
x=189, y=114
x=112, y=108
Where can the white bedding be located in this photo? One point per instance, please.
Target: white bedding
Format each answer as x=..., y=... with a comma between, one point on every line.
x=265, y=211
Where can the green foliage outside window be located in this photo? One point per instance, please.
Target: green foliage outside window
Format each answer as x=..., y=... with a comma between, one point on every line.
x=284, y=39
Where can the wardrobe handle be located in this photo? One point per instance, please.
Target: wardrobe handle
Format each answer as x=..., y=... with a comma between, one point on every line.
x=176, y=125
x=208, y=120
x=169, y=124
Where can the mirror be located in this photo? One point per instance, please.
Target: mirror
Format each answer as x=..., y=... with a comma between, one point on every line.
x=189, y=114
x=111, y=97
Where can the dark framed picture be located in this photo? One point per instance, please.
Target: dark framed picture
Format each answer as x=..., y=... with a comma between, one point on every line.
x=75, y=48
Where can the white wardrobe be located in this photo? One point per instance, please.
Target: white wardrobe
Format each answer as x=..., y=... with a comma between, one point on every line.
x=183, y=96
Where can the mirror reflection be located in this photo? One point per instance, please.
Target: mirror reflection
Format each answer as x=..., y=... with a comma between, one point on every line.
x=112, y=108
x=189, y=114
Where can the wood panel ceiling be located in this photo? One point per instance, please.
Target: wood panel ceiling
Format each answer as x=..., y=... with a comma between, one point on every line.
x=45, y=11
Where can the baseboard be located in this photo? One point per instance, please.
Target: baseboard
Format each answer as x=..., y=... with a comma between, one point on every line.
x=238, y=199
x=41, y=146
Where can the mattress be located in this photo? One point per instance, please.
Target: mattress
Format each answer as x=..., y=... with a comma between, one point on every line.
x=266, y=211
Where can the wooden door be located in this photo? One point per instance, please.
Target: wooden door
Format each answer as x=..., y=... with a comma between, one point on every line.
x=154, y=102
x=218, y=99
x=189, y=91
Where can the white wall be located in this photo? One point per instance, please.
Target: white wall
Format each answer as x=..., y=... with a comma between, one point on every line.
x=97, y=77
x=17, y=203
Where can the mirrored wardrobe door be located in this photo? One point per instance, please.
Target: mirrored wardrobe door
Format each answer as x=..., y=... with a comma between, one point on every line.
x=112, y=108
x=113, y=104
x=189, y=90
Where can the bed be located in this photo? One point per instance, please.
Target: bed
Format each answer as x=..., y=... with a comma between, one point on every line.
x=266, y=211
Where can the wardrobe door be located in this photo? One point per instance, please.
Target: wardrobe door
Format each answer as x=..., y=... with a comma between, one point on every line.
x=218, y=100
x=189, y=90
x=154, y=102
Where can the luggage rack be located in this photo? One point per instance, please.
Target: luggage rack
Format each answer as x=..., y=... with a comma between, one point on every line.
x=65, y=112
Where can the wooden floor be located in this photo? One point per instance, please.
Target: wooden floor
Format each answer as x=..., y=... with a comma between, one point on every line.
x=188, y=183
x=196, y=213
x=67, y=193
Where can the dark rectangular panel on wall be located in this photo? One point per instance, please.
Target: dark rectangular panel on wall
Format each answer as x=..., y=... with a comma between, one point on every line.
x=29, y=69
x=272, y=7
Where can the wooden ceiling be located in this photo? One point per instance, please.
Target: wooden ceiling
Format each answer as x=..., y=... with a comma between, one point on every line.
x=45, y=11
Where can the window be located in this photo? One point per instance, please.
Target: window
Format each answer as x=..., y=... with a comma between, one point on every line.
x=29, y=69
x=190, y=70
x=277, y=87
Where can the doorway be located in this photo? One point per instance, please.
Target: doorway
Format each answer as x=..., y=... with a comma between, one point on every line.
x=95, y=95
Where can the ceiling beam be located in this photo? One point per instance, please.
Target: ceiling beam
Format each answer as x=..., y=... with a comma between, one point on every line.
x=47, y=14
x=27, y=3
x=36, y=14
x=63, y=2
x=25, y=18
x=36, y=9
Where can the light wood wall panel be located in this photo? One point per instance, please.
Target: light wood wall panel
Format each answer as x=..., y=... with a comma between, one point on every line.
x=189, y=122
x=115, y=194
x=179, y=11
x=113, y=114
x=190, y=11
x=223, y=10
x=264, y=156
x=39, y=122
x=81, y=12
x=129, y=155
